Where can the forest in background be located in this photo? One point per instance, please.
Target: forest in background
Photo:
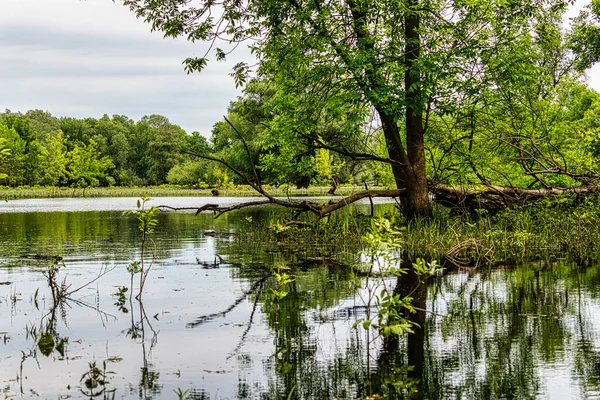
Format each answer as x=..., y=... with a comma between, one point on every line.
x=43, y=150
x=526, y=141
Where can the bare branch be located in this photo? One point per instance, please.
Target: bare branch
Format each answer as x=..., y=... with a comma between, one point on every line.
x=350, y=154
x=256, y=175
x=318, y=209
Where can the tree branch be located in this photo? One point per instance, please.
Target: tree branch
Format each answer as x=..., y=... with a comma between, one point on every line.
x=318, y=209
x=256, y=175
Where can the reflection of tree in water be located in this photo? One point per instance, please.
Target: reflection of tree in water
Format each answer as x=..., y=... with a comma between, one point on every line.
x=301, y=367
x=490, y=335
x=141, y=327
x=504, y=325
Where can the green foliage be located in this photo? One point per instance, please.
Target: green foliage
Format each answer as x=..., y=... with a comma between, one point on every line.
x=266, y=119
x=85, y=168
x=147, y=221
x=383, y=245
x=323, y=166
x=192, y=173
x=557, y=228
x=181, y=394
x=13, y=155
x=146, y=217
x=476, y=87
x=282, y=282
x=584, y=39
x=88, y=152
x=46, y=343
x=20, y=124
x=121, y=295
x=4, y=152
x=55, y=165
x=96, y=379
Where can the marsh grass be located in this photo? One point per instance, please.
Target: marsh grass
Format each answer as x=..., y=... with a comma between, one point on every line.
x=553, y=229
x=9, y=193
x=564, y=228
x=338, y=237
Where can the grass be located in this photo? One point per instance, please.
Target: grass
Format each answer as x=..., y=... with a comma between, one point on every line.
x=565, y=228
x=9, y=193
x=553, y=229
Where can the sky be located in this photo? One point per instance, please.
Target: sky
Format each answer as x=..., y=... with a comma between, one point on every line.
x=87, y=58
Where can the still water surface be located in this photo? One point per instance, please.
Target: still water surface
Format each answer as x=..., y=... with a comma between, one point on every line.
x=212, y=328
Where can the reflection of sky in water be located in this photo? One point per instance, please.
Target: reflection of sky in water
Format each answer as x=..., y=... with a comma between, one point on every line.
x=558, y=376
x=208, y=357
x=461, y=350
x=177, y=292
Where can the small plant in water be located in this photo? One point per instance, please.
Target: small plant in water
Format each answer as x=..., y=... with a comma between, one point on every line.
x=121, y=295
x=147, y=222
x=95, y=380
x=383, y=250
x=283, y=280
x=181, y=394
x=59, y=290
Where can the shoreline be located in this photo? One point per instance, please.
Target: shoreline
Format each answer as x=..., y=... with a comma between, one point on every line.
x=8, y=193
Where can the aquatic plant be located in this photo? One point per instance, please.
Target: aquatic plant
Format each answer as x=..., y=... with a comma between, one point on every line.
x=282, y=282
x=95, y=380
x=147, y=222
x=384, y=243
x=181, y=394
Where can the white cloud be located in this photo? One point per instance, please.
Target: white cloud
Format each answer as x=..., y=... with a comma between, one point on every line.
x=87, y=58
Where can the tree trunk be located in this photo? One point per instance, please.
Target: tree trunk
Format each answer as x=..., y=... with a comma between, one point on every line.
x=417, y=193
x=416, y=199
x=412, y=174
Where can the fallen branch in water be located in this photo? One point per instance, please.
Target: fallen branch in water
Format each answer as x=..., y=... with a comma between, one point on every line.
x=206, y=318
x=320, y=210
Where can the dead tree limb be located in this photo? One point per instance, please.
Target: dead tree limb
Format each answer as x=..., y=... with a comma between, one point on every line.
x=319, y=210
x=495, y=197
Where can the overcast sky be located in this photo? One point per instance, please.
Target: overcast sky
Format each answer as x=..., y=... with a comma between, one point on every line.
x=90, y=58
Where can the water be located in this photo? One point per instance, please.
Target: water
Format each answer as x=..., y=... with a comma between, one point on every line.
x=208, y=323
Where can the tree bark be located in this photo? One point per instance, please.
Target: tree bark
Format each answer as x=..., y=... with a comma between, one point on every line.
x=410, y=173
x=415, y=201
x=417, y=191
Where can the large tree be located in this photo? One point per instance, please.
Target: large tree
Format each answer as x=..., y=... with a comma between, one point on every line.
x=404, y=59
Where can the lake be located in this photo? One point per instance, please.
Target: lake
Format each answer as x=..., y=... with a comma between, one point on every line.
x=209, y=328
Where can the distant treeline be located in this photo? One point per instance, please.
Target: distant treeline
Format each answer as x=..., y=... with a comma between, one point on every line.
x=49, y=151
x=42, y=150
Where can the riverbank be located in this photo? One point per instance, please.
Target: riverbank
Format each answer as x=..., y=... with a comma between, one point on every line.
x=8, y=193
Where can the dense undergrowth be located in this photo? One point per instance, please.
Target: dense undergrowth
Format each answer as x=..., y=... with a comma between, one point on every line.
x=553, y=229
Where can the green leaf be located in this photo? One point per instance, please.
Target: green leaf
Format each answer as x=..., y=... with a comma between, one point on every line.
x=46, y=343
